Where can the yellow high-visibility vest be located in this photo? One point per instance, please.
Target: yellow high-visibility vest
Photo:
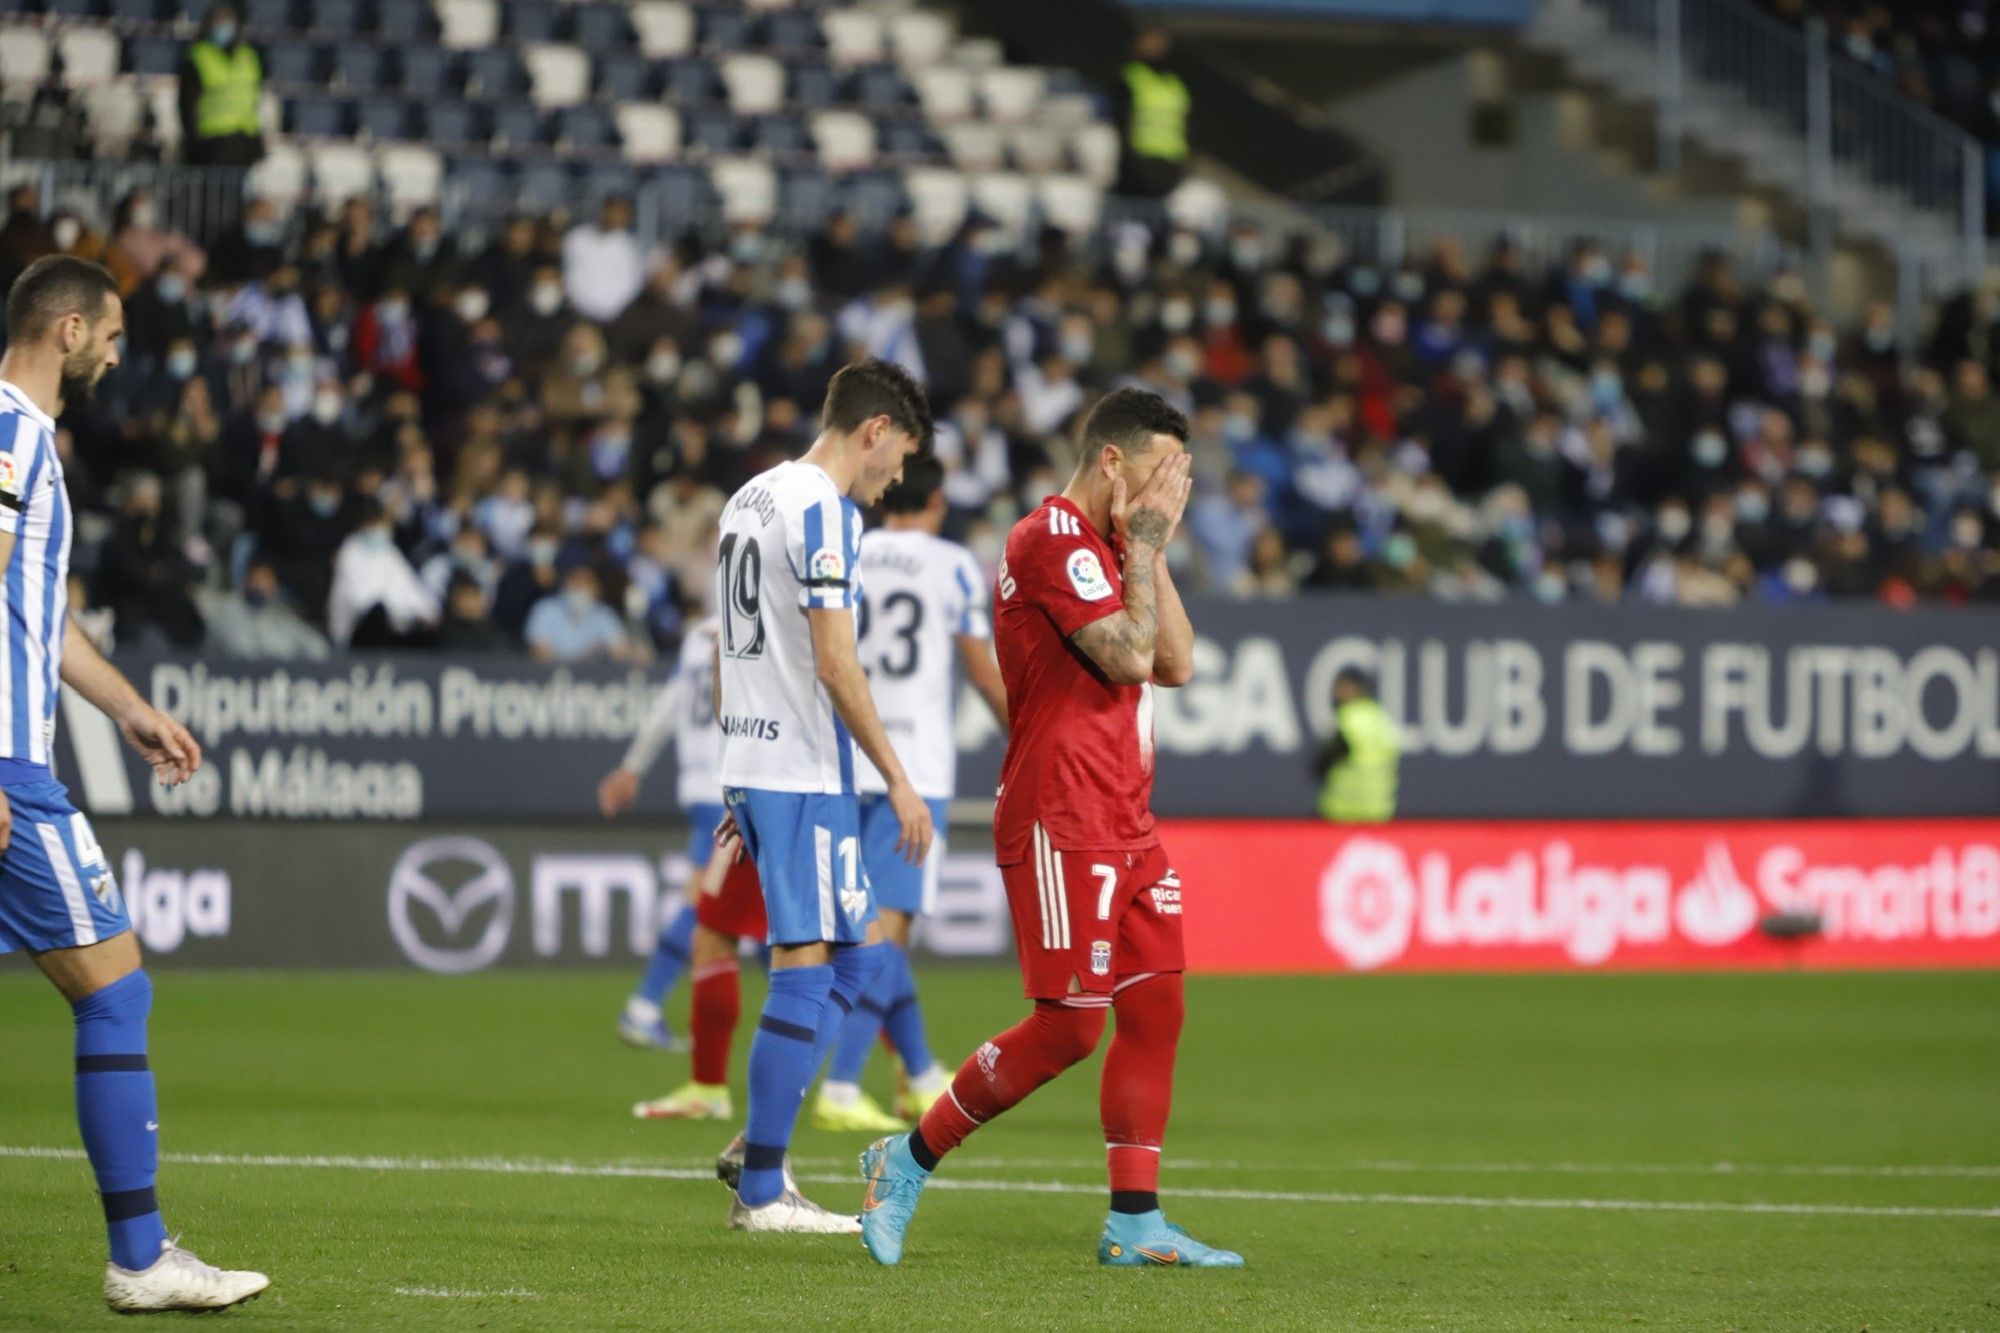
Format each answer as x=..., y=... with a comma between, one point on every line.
x=1361, y=788
x=232, y=83
x=1159, y=112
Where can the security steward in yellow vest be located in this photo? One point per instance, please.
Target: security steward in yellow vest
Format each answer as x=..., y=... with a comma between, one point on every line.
x=1358, y=763
x=222, y=82
x=1152, y=120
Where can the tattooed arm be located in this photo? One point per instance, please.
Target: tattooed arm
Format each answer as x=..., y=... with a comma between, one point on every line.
x=1125, y=643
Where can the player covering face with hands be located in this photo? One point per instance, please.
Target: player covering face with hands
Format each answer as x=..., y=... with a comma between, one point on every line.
x=58, y=898
x=1088, y=624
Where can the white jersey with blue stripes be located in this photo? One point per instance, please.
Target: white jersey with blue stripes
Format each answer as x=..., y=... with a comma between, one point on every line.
x=923, y=593
x=790, y=543
x=34, y=594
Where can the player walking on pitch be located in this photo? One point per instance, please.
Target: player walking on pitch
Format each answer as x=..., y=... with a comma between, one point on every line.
x=58, y=900
x=926, y=605
x=1088, y=622
x=793, y=703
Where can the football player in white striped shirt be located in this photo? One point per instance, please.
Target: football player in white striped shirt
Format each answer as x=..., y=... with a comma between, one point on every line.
x=58, y=900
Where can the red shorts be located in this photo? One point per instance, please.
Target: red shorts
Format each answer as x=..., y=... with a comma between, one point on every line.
x=736, y=908
x=1084, y=922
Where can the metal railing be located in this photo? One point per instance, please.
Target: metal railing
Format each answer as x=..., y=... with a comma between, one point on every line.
x=1855, y=150
x=203, y=202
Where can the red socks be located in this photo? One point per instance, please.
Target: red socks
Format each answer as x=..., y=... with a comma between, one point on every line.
x=1137, y=1092
x=1005, y=1070
x=717, y=1003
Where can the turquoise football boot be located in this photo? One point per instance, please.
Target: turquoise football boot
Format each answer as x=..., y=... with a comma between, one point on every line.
x=894, y=1181
x=1146, y=1240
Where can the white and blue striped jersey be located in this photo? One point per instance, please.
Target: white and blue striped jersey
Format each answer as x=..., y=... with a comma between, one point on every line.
x=34, y=594
x=923, y=593
x=790, y=543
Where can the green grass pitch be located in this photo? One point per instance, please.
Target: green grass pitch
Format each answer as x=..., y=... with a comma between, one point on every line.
x=1525, y=1152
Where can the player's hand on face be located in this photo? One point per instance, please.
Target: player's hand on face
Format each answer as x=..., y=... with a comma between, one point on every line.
x=914, y=818
x=1151, y=516
x=617, y=792
x=163, y=743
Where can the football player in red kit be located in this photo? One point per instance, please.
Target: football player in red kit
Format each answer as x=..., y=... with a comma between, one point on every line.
x=1087, y=624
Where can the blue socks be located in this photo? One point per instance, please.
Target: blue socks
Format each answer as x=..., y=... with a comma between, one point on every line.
x=670, y=957
x=890, y=1003
x=802, y=1013
x=782, y=1062
x=119, y=1115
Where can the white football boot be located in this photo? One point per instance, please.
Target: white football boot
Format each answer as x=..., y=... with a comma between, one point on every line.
x=792, y=1212
x=178, y=1281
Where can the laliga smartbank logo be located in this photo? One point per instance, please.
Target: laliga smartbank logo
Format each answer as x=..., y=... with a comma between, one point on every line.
x=1374, y=903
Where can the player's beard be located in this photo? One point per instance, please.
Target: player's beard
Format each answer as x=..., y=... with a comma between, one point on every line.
x=78, y=383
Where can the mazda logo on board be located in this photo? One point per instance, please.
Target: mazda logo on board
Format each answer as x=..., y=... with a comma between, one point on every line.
x=437, y=889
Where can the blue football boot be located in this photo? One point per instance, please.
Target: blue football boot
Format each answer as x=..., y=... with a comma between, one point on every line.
x=894, y=1181
x=1146, y=1240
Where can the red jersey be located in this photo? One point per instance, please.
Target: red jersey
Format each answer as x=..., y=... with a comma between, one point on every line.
x=1079, y=748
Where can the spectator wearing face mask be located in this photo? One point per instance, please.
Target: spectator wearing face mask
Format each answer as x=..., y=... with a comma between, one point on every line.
x=422, y=257
x=377, y=600
x=468, y=625
x=318, y=442
x=659, y=311
x=385, y=340
x=144, y=577
x=255, y=622
x=575, y=625
x=533, y=330
x=602, y=265
x=527, y=580
x=159, y=311
x=273, y=309
x=252, y=248
x=584, y=388
x=140, y=245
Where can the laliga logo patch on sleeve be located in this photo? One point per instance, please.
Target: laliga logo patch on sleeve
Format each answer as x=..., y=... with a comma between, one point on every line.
x=1087, y=576
x=827, y=565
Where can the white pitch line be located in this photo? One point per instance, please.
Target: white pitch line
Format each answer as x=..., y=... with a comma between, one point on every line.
x=534, y=1167
x=1942, y=1171
x=460, y=1294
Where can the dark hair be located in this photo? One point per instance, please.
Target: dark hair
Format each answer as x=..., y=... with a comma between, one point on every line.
x=1130, y=418
x=922, y=476
x=1356, y=678
x=875, y=388
x=52, y=287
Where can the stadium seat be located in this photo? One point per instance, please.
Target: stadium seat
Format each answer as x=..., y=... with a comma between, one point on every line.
x=907, y=140
x=666, y=28
x=939, y=197
x=683, y=193
x=1066, y=112
x=756, y=84
x=335, y=18
x=598, y=27
x=287, y=62
x=452, y=122
x=749, y=189
x=585, y=127
x=1011, y=92
x=812, y=84
x=528, y=20
x=544, y=178
x=1008, y=198
x=853, y=36
x=262, y=16
x=78, y=9
x=722, y=29
x=1093, y=150
x=319, y=118
x=424, y=70
x=153, y=55
x=340, y=171
x=881, y=88
x=711, y=130
x=116, y=114
x=384, y=119
x=651, y=133
x=1072, y=203
x=558, y=75
x=494, y=72
x=480, y=185
x=398, y=22
x=806, y=198
x=974, y=145
x=164, y=110
x=518, y=124
x=792, y=30
x=873, y=197
x=977, y=53
x=25, y=60
x=692, y=83
x=134, y=11
x=412, y=175
x=1199, y=205
x=280, y=176
x=358, y=67
x=920, y=37
x=89, y=55
x=625, y=76
x=782, y=136
x=1034, y=149
x=271, y=113
x=468, y=25
x=846, y=139
x=598, y=181
x=944, y=92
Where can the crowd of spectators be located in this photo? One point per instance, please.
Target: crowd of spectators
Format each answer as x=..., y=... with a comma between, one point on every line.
x=329, y=429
